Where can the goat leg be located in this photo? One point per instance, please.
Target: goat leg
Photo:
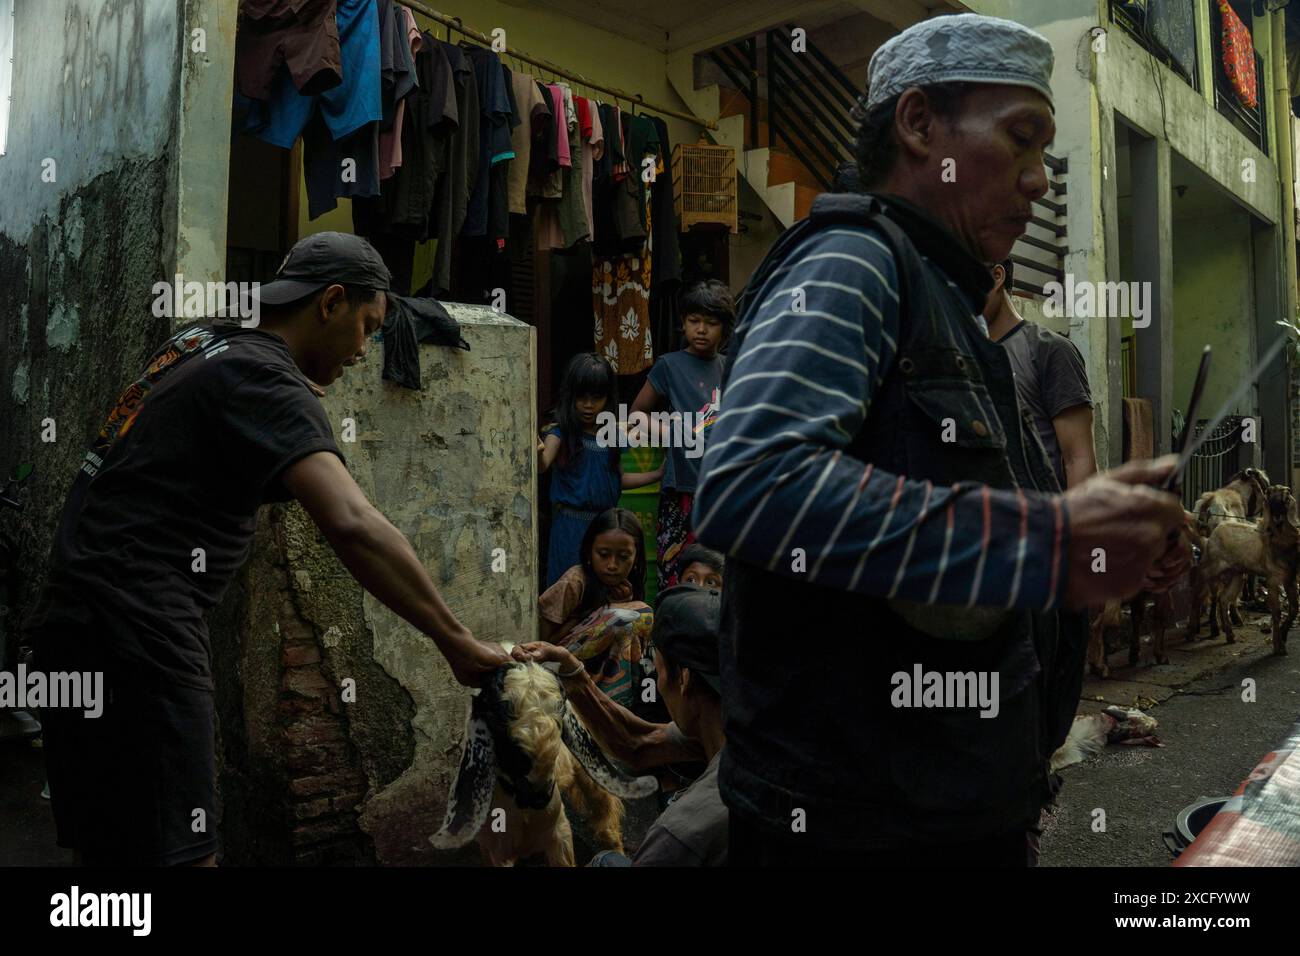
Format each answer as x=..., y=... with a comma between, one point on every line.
x=1162, y=614
x=1097, y=646
x=1227, y=594
x=1279, y=634
x=1136, y=609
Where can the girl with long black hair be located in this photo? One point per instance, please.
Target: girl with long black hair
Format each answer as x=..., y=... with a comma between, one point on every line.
x=587, y=478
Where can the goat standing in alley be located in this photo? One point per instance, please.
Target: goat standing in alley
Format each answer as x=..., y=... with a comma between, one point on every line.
x=1270, y=548
x=1110, y=618
x=524, y=747
x=1241, y=500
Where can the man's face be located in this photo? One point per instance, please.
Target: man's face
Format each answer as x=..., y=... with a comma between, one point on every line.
x=344, y=331
x=996, y=142
x=670, y=692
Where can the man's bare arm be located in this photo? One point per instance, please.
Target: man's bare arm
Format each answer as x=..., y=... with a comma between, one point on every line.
x=1074, y=434
x=620, y=733
x=383, y=561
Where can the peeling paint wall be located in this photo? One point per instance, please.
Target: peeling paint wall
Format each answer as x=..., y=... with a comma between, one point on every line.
x=84, y=189
x=306, y=777
x=93, y=213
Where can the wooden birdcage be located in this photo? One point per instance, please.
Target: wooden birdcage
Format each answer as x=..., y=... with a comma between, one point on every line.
x=704, y=185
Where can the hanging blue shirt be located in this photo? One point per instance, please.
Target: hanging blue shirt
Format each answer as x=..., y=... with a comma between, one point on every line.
x=346, y=107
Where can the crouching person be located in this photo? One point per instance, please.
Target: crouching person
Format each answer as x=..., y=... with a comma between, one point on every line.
x=692, y=831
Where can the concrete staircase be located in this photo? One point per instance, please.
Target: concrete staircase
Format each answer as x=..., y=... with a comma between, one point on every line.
x=784, y=184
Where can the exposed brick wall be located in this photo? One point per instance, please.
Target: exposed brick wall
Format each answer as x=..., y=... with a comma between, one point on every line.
x=325, y=782
x=290, y=778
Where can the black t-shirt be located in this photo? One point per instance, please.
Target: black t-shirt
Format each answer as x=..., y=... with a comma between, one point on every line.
x=189, y=452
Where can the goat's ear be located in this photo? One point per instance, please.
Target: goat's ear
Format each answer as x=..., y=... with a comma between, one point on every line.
x=471, y=792
x=588, y=753
x=1291, y=511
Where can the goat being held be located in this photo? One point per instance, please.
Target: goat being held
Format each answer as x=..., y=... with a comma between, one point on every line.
x=1270, y=548
x=524, y=746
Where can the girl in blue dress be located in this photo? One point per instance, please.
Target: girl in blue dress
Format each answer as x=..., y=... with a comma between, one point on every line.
x=587, y=477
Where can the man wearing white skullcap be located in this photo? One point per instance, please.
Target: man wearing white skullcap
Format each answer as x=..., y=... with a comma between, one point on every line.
x=901, y=649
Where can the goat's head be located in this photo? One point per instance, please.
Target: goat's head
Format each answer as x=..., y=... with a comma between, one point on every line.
x=1257, y=487
x=1280, y=507
x=518, y=723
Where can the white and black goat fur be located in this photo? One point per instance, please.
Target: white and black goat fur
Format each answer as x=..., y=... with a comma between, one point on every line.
x=524, y=747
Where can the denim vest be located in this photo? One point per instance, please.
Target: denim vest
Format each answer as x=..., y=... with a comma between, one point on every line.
x=807, y=668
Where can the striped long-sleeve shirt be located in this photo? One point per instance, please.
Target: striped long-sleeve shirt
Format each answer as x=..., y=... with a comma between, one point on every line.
x=775, y=478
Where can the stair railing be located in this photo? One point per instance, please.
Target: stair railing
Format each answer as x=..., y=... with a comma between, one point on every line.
x=809, y=103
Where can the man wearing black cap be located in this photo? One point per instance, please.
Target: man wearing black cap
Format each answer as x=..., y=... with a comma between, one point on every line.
x=692, y=831
x=161, y=517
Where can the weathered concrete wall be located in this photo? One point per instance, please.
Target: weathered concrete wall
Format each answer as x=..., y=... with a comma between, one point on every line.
x=1214, y=302
x=306, y=777
x=86, y=187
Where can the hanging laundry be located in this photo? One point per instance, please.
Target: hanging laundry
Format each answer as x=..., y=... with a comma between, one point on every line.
x=338, y=126
x=629, y=188
x=408, y=322
x=498, y=216
x=667, y=278
x=401, y=217
x=456, y=184
x=621, y=304
x=334, y=168
x=593, y=148
x=406, y=42
x=546, y=214
x=494, y=134
x=545, y=158
x=1239, y=56
x=281, y=118
x=621, y=283
x=301, y=36
x=604, y=234
x=642, y=137
x=572, y=213
x=563, y=120
x=533, y=112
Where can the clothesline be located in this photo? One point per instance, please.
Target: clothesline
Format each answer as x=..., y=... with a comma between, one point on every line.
x=618, y=94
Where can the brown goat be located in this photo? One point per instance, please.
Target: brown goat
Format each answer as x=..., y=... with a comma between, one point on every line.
x=1270, y=548
x=1240, y=500
x=1161, y=618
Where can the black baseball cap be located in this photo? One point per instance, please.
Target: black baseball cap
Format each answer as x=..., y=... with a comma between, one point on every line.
x=685, y=629
x=323, y=259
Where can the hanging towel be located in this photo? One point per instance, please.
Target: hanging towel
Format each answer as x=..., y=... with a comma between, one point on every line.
x=1239, y=56
x=408, y=322
x=1138, y=431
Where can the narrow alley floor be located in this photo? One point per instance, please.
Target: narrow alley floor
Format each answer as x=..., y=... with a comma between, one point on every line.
x=1213, y=739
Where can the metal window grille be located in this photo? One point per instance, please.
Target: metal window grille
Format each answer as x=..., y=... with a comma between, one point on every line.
x=1221, y=457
